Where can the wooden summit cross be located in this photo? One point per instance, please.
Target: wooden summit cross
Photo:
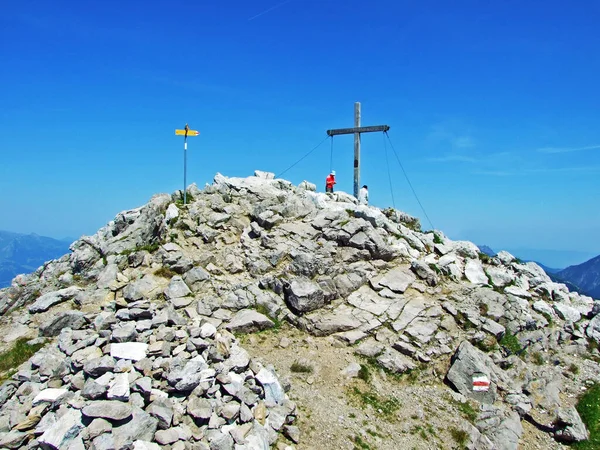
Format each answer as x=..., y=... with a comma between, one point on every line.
x=357, y=130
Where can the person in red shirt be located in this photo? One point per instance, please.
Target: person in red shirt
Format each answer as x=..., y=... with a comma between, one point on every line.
x=330, y=181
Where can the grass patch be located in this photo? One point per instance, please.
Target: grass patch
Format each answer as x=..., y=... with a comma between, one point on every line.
x=485, y=258
x=15, y=356
x=189, y=198
x=487, y=344
x=359, y=444
x=460, y=436
x=538, y=358
x=437, y=239
x=173, y=237
x=150, y=248
x=164, y=272
x=510, y=342
x=261, y=308
x=574, y=369
x=384, y=406
x=588, y=408
x=298, y=367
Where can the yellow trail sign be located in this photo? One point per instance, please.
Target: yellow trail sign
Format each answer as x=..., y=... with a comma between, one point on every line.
x=189, y=133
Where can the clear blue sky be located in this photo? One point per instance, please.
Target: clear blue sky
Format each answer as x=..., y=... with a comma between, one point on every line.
x=493, y=108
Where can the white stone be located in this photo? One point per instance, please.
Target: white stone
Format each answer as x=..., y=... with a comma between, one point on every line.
x=119, y=388
x=145, y=445
x=517, y=292
x=63, y=431
x=207, y=330
x=474, y=272
x=129, y=350
x=49, y=395
x=172, y=212
x=567, y=312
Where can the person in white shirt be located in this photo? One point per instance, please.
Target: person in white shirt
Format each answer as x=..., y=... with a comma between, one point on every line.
x=363, y=195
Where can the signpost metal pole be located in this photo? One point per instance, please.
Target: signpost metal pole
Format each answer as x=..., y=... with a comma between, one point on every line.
x=185, y=133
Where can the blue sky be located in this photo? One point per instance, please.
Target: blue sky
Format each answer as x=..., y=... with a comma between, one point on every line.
x=493, y=108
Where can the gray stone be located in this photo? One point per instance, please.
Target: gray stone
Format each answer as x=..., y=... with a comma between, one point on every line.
x=395, y=361
x=144, y=288
x=49, y=395
x=569, y=427
x=502, y=428
x=99, y=366
x=494, y=328
x=200, y=408
x=145, y=445
x=63, y=431
x=467, y=362
x=103, y=442
x=424, y=272
x=108, y=409
x=13, y=439
x=92, y=390
x=66, y=319
x=292, y=432
x=397, y=280
x=177, y=288
x=46, y=301
x=142, y=426
x=162, y=410
x=304, y=295
x=195, y=277
x=567, y=312
x=166, y=437
x=125, y=333
x=249, y=321
x=98, y=427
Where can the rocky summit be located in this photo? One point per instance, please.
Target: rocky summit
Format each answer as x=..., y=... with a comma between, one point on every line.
x=267, y=315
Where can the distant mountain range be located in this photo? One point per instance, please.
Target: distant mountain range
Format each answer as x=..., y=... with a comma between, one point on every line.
x=24, y=253
x=583, y=278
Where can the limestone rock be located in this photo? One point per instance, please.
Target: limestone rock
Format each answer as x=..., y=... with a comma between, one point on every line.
x=304, y=295
x=249, y=321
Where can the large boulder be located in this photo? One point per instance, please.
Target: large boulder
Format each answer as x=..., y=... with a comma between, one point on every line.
x=304, y=295
x=469, y=365
x=569, y=427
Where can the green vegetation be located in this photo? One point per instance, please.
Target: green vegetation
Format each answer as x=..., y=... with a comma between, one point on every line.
x=15, y=356
x=173, y=237
x=262, y=308
x=574, y=369
x=437, y=239
x=188, y=197
x=588, y=408
x=510, y=342
x=298, y=367
x=537, y=358
x=150, y=248
x=164, y=272
x=466, y=409
x=364, y=373
x=487, y=344
x=359, y=444
x=384, y=406
x=435, y=268
x=460, y=436
x=485, y=258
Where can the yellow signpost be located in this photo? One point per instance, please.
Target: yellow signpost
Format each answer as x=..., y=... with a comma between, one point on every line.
x=185, y=132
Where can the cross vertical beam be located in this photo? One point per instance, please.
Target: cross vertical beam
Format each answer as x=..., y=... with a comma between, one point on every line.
x=356, y=148
x=357, y=130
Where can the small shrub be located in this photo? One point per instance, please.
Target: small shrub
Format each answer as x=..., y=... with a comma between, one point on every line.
x=437, y=239
x=298, y=367
x=485, y=258
x=574, y=369
x=359, y=444
x=483, y=309
x=164, y=272
x=173, y=237
x=487, y=344
x=460, y=436
x=538, y=358
x=435, y=268
x=364, y=373
x=510, y=342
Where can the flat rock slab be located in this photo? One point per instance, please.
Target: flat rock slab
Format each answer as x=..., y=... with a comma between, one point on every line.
x=46, y=301
x=397, y=280
x=468, y=362
x=49, y=395
x=249, y=321
x=133, y=351
x=108, y=409
x=63, y=431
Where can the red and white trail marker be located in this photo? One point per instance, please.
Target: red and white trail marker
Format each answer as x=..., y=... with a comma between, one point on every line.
x=481, y=383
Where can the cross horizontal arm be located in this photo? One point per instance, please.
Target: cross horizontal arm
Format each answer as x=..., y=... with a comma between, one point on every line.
x=357, y=130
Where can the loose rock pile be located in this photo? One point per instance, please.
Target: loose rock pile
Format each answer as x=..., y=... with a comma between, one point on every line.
x=140, y=317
